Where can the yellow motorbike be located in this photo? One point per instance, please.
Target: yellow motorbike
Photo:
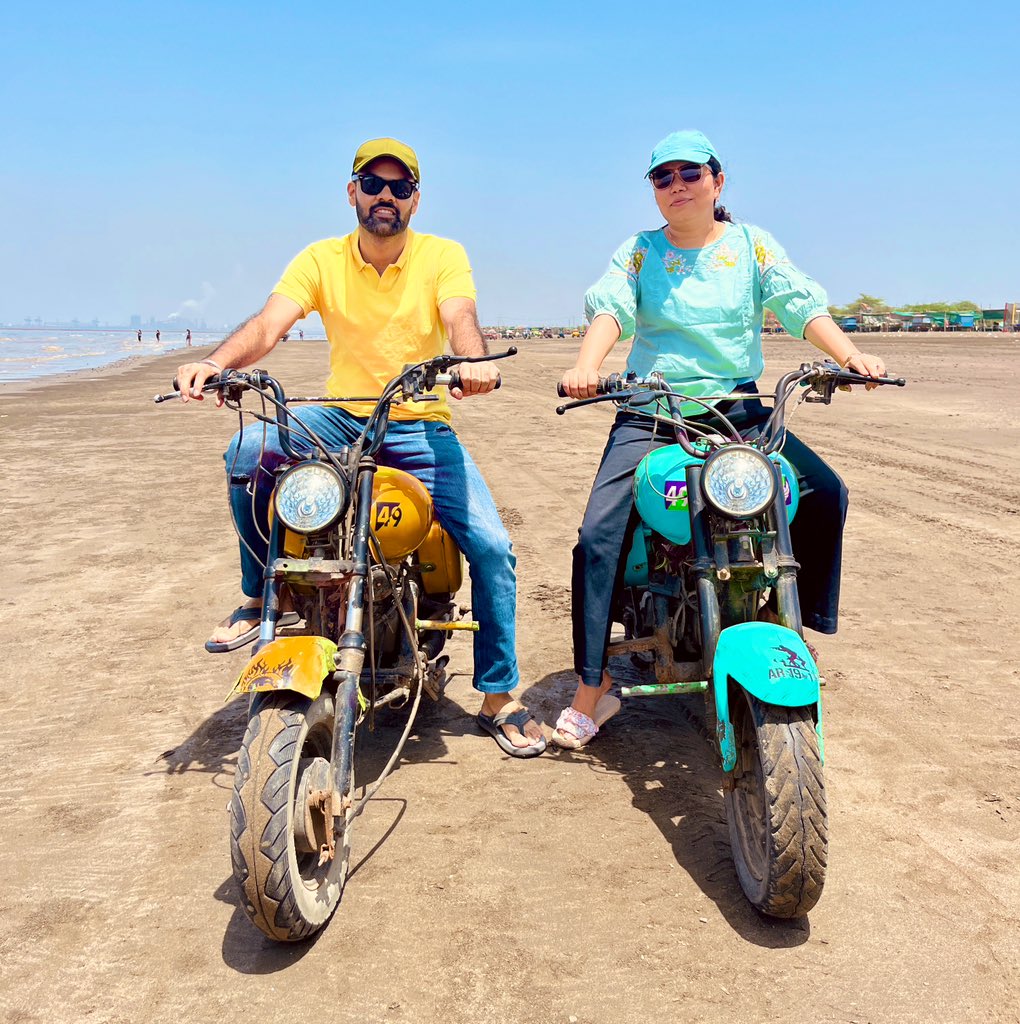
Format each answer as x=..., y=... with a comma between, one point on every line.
x=374, y=576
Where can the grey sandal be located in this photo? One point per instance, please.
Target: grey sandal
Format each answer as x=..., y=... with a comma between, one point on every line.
x=248, y=615
x=492, y=724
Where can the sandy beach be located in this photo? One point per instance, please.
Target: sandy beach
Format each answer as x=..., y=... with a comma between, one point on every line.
x=595, y=887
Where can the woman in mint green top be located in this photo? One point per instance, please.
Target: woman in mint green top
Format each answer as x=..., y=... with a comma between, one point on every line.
x=695, y=314
x=691, y=295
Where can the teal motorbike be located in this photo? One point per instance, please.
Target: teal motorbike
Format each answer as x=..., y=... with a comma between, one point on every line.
x=710, y=602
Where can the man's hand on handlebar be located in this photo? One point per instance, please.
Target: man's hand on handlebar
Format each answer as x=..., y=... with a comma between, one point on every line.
x=579, y=382
x=190, y=379
x=475, y=379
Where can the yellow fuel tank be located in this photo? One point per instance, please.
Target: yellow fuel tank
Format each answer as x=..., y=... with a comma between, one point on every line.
x=442, y=567
x=401, y=512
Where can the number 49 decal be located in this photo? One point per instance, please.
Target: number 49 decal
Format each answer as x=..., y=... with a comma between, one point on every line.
x=676, y=495
x=387, y=513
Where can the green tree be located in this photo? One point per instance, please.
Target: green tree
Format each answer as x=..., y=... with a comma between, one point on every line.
x=867, y=304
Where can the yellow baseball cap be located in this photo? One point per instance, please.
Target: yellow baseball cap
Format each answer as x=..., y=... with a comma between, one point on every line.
x=375, y=148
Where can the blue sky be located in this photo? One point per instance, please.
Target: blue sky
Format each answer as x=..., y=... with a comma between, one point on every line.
x=159, y=158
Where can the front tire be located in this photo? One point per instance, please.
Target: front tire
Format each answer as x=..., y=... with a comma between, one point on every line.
x=776, y=807
x=284, y=890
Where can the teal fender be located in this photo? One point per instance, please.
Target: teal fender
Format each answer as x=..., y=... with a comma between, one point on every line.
x=769, y=661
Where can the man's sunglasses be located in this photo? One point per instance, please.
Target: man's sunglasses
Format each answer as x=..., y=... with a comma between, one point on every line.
x=400, y=188
x=689, y=175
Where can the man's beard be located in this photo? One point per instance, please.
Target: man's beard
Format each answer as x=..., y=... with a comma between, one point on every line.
x=383, y=228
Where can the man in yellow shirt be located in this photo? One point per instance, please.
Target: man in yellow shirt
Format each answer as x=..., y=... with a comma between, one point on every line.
x=387, y=297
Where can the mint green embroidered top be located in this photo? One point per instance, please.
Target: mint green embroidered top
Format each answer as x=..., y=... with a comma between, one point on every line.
x=695, y=314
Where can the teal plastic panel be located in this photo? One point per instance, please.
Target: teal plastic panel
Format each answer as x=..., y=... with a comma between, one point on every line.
x=660, y=491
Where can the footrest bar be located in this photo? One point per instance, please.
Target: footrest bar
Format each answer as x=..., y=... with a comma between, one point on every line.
x=663, y=689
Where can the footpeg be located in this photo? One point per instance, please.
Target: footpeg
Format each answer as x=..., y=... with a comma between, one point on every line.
x=425, y=624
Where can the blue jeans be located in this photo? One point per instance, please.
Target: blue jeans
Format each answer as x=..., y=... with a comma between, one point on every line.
x=433, y=453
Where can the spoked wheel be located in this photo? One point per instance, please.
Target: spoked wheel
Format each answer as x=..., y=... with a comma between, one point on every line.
x=775, y=807
x=278, y=817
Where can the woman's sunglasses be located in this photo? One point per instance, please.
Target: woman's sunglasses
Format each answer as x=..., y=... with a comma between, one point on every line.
x=400, y=188
x=689, y=175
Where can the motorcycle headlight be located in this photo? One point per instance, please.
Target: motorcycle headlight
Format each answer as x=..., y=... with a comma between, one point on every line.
x=311, y=497
x=738, y=482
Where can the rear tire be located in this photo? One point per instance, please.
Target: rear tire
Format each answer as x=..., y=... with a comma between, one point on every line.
x=283, y=890
x=776, y=807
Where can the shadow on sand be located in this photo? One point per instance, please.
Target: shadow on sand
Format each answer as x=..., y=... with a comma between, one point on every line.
x=659, y=747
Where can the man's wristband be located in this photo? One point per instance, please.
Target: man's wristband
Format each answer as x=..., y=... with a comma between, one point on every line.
x=212, y=362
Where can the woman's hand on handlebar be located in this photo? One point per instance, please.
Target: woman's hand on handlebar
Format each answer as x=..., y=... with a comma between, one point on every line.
x=580, y=382
x=867, y=365
x=475, y=379
x=191, y=377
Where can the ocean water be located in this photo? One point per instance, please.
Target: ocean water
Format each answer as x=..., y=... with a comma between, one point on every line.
x=27, y=354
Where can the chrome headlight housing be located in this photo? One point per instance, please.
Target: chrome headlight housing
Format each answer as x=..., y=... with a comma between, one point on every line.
x=311, y=496
x=739, y=482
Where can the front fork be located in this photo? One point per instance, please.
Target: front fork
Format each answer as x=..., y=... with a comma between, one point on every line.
x=704, y=563
x=351, y=648
x=350, y=655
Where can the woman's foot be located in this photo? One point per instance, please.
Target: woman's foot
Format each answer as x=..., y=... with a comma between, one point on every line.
x=590, y=708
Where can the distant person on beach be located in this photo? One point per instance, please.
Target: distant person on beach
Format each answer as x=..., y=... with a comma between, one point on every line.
x=387, y=297
x=301, y=335
x=691, y=295
x=187, y=337
x=139, y=333
x=157, y=337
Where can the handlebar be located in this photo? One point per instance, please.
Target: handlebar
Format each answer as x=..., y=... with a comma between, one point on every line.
x=822, y=378
x=617, y=382
x=411, y=382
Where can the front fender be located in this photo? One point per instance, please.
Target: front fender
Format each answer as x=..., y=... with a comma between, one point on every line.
x=769, y=661
x=298, y=663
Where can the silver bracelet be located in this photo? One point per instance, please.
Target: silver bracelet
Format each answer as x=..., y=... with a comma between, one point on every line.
x=212, y=363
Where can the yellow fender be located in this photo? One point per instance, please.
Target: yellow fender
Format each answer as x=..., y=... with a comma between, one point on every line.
x=298, y=663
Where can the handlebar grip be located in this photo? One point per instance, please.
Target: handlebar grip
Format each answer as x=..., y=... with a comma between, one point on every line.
x=211, y=382
x=849, y=377
x=456, y=382
x=600, y=388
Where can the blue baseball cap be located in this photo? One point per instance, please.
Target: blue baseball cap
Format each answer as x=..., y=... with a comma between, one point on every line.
x=691, y=147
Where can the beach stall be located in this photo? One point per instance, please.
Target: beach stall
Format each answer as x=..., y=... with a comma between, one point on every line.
x=961, y=321
x=992, y=320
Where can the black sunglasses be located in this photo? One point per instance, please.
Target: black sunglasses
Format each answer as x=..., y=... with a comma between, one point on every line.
x=689, y=175
x=400, y=188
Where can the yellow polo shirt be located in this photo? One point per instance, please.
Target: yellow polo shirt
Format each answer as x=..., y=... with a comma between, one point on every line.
x=377, y=323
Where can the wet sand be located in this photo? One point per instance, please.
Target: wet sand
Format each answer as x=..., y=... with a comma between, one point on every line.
x=595, y=886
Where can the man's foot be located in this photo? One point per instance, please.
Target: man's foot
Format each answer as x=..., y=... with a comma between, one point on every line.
x=245, y=620
x=232, y=627
x=522, y=733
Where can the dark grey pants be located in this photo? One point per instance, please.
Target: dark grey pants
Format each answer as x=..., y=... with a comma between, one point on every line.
x=816, y=532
